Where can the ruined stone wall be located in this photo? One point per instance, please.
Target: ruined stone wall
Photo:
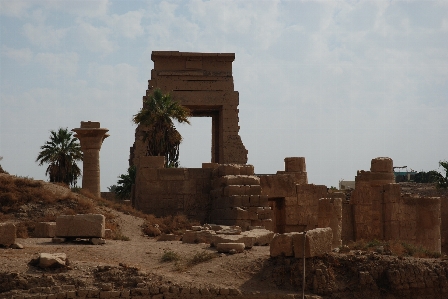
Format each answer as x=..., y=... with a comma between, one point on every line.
x=283, y=183
x=444, y=225
x=361, y=276
x=306, y=212
x=381, y=212
x=330, y=215
x=170, y=191
x=236, y=198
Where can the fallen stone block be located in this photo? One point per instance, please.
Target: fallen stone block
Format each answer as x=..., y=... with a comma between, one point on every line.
x=81, y=225
x=193, y=237
x=50, y=260
x=260, y=237
x=227, y=247
x=16, y=246
x=196, y=228
x=45, y=230
x=318, y=242
x=232, y=230
x=282, y=244
x=97, y=241
x=7, y=234
x=248, y=241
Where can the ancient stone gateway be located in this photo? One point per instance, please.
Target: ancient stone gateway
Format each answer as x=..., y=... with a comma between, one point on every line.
x=202, y=82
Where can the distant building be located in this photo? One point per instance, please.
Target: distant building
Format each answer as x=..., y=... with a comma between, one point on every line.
x=343, y=185
x=404, y=175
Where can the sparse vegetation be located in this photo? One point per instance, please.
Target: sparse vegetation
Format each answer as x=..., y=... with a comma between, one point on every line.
x=201, y=257
x=177, y=224
x=170, y=256
x=161, y=135
x=124, y=184
x=396, y=247
x=442, y=180
x=182, y=264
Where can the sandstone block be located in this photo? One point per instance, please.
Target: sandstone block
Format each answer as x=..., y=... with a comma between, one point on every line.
x=151, y=162
x=173, y=174
x=228, y=169
x=318, y=242
x=261, y=237
x=192, y=237
x=248, y=241
x=81, y=225
x=281, y=244
x=295, y=164
x=235, y=180
x=7, y=234
x=45, y=230
x=247, y=169
x=52, y=260
x=381, y=164
x=97, y=241
x=227, y=247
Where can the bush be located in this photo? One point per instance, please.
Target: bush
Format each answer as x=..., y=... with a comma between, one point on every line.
x=170, y=256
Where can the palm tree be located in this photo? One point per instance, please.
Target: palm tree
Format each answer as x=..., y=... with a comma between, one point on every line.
x=124, y=185
x=61, y=153
x=161, y=135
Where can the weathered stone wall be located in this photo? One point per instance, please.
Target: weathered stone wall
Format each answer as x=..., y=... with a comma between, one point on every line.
x=330, y=215
x=236, y=198
x=305, y=209
x=170, y=191
x=381, y=212
x=362, y=276
x=444, y=225
x=283, y=184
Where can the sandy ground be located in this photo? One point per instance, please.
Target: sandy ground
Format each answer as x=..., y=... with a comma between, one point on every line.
x=143, y=253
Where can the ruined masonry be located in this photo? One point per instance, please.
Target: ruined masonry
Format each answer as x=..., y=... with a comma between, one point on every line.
x=226, y=190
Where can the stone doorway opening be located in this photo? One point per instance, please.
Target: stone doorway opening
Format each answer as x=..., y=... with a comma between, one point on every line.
x=277, y=204
x=197, y=142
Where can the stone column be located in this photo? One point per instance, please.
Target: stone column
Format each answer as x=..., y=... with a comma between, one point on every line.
x=91, y=138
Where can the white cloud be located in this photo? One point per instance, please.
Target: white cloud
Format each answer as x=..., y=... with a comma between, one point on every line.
x=22, y=56
x=14, y=8
x=118, y=77
x=80, y=8
x=44, y=36
x=65, y=63
x=96, y=39
x=128, y=24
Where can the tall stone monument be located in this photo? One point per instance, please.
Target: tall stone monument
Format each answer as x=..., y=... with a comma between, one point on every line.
x=91, y=138
x=203, y=83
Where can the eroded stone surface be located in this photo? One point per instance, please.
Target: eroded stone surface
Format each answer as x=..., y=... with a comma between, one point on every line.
x=318, y=242
x=81, y=225
x=7, y=234
x=45, y=230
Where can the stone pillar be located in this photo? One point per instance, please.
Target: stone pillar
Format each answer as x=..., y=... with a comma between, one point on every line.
x=91, y=138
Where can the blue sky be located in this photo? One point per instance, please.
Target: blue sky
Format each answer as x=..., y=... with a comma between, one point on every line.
x=336, y=82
